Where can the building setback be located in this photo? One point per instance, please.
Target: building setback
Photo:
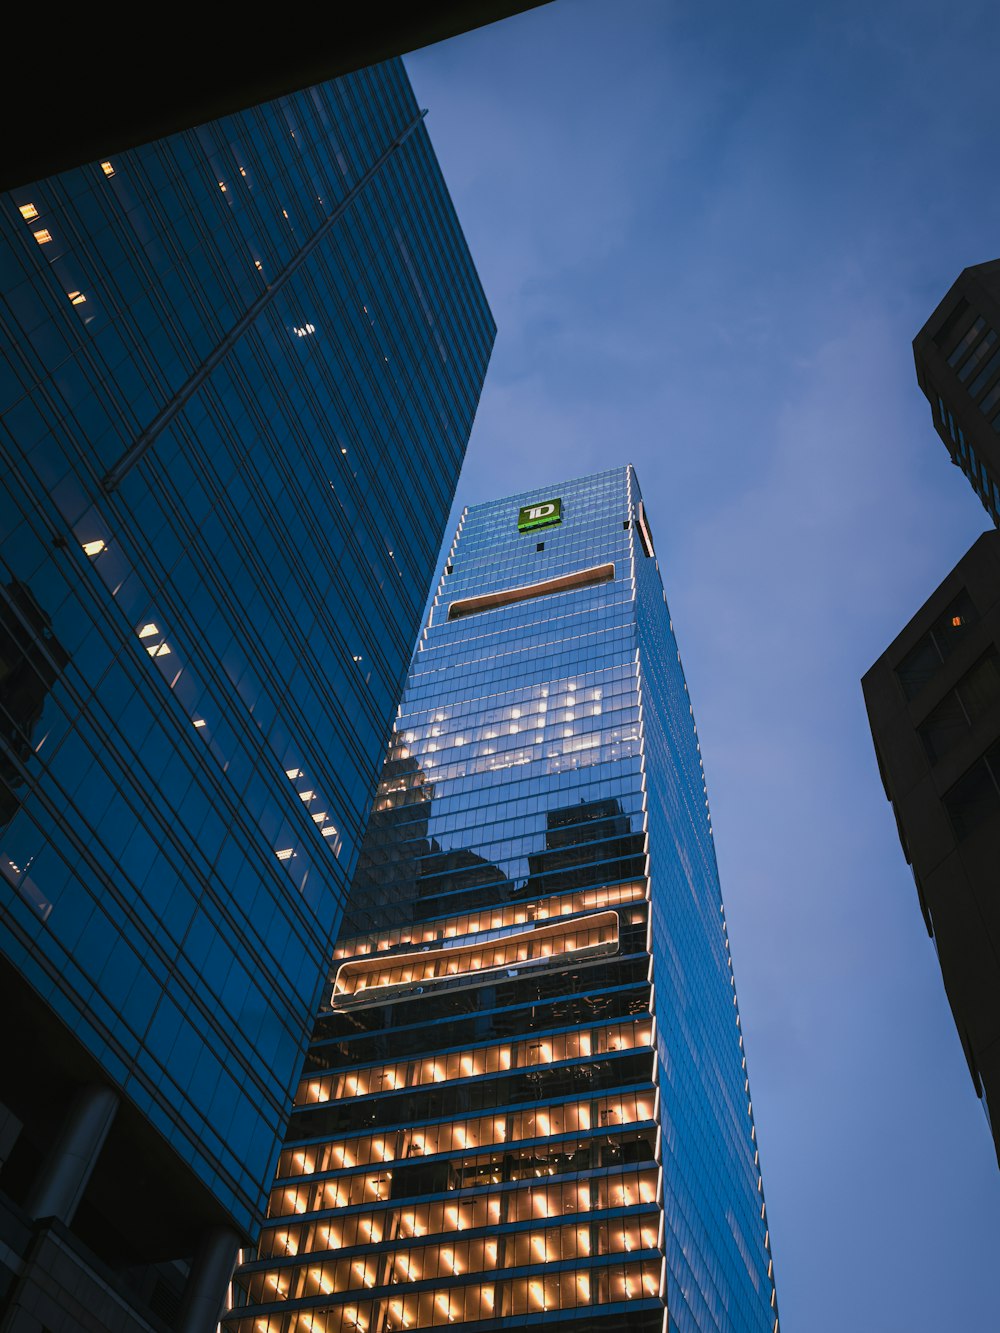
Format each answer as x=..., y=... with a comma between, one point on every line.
x=933, y=701
x=957, y=356
x=238, y=372
x=526, y=1098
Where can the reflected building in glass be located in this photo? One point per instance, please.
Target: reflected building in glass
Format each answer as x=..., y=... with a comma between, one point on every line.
x=526, y=1098
x=238, y=372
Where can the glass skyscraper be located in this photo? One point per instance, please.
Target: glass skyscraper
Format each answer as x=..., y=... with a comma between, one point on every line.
x=238, y=372
x=526, y=1098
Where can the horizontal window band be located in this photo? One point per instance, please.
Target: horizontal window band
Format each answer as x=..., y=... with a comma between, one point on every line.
x=372, y=979
x=421, y=1240
x=490, y=601
x=499, y=916
x=632, y=1085
x=581, y=1141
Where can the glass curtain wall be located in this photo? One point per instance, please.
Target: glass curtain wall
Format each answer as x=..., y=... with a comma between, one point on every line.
x=201, y=647
x=526, y=1097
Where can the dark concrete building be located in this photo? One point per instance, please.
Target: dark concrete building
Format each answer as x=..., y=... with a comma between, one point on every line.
x=933, y=702
x=957, y=355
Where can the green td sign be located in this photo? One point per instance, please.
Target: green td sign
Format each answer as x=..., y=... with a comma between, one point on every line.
x=539, y=515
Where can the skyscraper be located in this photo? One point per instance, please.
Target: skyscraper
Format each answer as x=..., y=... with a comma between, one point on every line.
x=957, y=357
x=238, y=373
x=526, y=1098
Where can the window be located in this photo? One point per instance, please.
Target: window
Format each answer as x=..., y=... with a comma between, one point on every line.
x=921, y=663
x=582, y=937
x=975, y=797
x=966, y=342
x=951, y=720
x=978, y=353
x=645, y=536
x=985, y=375
x=508, y=596
x=951, y=323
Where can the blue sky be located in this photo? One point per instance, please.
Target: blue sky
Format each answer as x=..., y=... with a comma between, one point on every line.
x=708, y=234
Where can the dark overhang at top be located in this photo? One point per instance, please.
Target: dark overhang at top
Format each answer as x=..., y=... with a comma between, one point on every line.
x=99, y=82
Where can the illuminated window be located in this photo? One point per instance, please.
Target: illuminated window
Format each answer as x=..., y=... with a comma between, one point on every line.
x=645, y=536
x=472, y=963
x=509, y=596
x=43, y=236
x=77, y=298
x=148, y=630
x=28, y=212
x=284, y=853
x=107, y=168
x=921, y=663
x=94, y=548
x=541, y=909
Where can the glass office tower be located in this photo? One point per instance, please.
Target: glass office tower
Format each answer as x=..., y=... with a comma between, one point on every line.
x=526, y=1098
x=239, y=370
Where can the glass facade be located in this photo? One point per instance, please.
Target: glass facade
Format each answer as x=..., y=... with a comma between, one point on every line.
x=228, y=450
x=526, y=1098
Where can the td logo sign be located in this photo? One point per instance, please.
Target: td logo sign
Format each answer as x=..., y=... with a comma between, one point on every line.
x=539, y=515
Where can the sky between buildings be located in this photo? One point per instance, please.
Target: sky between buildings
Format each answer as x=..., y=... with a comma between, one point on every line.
x=708, y=233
